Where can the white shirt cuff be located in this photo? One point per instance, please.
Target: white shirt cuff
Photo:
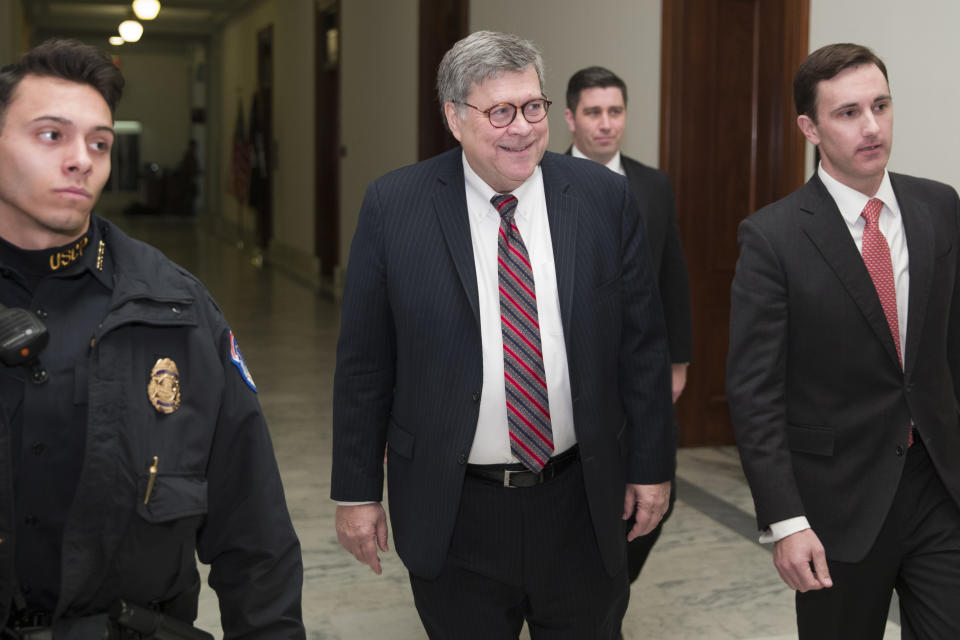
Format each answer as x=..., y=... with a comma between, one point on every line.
x=780, y=530
x=355, y=504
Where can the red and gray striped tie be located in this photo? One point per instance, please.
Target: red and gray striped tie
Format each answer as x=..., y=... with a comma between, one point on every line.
x=528, y=410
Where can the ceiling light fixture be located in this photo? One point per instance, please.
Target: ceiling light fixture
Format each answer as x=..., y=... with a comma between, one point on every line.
x=130, y=30
x=146, y=9
x=116, y=41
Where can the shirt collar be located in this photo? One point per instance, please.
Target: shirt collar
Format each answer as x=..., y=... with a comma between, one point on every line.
x=851, y=202
x=615, y=164
x=476, y=184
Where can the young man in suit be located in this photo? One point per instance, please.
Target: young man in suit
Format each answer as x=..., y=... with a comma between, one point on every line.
x=597, y=117
x=502, y=336
x=844, y=369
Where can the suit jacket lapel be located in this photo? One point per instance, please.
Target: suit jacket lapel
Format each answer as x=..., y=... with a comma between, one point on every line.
x=825, y=226
x=920, y=246
x=450, y=206
x=563, y=215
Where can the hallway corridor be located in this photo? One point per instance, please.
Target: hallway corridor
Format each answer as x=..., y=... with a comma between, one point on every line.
x=707, y=578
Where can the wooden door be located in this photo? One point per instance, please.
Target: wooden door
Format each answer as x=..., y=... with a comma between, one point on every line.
x=730, y=143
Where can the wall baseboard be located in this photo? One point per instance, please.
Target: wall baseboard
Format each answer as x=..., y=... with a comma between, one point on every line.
x=292, y=262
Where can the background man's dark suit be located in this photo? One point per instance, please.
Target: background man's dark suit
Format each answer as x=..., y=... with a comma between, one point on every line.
x=409, y=364
x=653, y=190
x=820, y=405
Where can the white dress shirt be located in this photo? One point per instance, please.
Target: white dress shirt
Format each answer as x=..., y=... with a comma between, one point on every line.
x=851, y=203
x=615, y=164
x=491, y=444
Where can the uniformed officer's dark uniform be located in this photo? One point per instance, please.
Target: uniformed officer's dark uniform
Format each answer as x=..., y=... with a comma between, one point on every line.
x=106, y=490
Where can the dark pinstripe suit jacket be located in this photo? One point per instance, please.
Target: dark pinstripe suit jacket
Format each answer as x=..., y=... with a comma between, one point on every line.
x=654, y=193
x=409, y=361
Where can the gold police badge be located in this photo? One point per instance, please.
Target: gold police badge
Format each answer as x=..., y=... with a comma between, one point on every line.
x=164, y=388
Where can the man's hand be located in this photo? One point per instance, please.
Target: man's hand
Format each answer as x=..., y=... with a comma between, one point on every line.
x=361, y=529
x=793, y=557
x=678, y=378
x=650, y=501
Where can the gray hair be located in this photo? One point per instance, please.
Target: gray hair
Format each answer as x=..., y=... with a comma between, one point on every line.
x=478, y=57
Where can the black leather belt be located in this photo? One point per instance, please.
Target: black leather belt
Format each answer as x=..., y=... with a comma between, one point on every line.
x=29, y=620
x=518, y=476
x=31, y=625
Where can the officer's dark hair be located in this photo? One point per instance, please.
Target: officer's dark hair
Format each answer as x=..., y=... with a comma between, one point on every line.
x=66, y=59
x=592, y=78
x=826, y=63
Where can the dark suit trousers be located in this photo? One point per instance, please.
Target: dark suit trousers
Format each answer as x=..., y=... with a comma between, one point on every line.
x=523, y=554
x=917, y=553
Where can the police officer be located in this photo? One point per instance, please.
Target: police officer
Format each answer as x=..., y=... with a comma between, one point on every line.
x=136, y=440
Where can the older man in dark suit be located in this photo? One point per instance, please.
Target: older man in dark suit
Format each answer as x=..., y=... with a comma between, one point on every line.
x=597, y=117
x=502, y=336
x=844, y=369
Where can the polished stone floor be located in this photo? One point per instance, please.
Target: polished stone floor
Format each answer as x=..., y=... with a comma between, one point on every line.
x=707, y=579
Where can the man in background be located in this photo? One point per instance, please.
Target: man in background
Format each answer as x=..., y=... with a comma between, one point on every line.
x=596, y=115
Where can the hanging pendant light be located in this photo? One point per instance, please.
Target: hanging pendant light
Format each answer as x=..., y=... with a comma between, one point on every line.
x=130, y=30
x=146, y=9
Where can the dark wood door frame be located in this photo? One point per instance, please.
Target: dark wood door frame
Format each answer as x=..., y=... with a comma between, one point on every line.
x=442, y=23
x=327, y=138
x=265, y=147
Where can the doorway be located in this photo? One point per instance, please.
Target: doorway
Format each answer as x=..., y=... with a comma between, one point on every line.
x=261, y=139
x=442, y=23
x=327, y=143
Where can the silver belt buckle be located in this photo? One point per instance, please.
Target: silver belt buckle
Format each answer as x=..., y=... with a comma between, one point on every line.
x=507, y=474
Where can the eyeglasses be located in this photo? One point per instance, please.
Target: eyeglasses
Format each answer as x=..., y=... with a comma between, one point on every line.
x=501, y=115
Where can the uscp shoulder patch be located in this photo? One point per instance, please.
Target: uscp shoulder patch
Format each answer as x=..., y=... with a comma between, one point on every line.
x=237, y=359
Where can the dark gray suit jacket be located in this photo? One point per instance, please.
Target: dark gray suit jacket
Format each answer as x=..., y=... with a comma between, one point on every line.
x=409, y=360
x=820, y=405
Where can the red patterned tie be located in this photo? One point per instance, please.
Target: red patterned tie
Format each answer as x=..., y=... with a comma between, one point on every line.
x=876, y=255
x=528, y=410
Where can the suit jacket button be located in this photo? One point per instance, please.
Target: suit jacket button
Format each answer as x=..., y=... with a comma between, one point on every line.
x=476, y=396
x=899, y=450
x=462, y=459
